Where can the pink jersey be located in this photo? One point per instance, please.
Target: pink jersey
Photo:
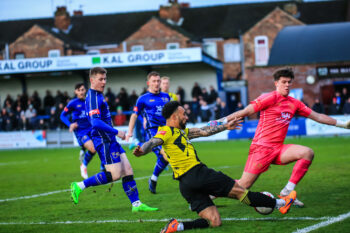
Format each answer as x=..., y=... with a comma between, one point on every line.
x=276, y=112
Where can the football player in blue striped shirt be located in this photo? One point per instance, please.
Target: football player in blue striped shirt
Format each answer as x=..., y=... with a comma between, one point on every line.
x=112, y=155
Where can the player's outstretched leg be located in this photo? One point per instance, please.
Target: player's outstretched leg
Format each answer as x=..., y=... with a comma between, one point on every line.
x=173, y=225
x=299, y=170
x=158, y=169
x=98, y=179
x=256, y=199
x=130, y=189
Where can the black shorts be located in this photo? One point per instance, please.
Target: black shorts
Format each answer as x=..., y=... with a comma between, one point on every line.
x=199, y=182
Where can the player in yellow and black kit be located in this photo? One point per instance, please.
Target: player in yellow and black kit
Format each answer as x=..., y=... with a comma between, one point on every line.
x=197, y=181
x=165, y=86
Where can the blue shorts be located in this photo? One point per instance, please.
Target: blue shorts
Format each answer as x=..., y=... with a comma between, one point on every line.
x=82, y=137
x=150, y=132
x=109, y=152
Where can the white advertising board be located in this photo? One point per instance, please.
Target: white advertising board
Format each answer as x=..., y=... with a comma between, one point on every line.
x=314, y=128
x=22, y=139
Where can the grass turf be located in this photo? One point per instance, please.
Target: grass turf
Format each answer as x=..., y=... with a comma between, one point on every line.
x=324, y=190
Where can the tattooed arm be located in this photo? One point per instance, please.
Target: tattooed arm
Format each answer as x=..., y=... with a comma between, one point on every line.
x=147, y=146
x=210, y=130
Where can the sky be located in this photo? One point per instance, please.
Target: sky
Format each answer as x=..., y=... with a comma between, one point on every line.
x=27, y=9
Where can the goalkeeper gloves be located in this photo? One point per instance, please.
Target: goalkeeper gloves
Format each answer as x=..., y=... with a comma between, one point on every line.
x=345, y=125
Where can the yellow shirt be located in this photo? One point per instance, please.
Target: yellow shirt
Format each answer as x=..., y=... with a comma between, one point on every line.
x=180, y=152
x=173, y=96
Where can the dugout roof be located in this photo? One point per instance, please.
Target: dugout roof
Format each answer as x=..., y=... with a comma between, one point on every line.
x=309, y=44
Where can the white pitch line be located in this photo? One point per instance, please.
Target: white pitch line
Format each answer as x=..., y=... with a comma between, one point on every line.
x=324, y=224
x=66, y=190
x=162, y=220
x=13, y=163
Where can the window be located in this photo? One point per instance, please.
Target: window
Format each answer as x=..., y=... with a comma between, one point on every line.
x=54, y=53
x=261, y=50
x=210, y=48
x=136, y=48
x=232, y=52
x=172, y=45
x=93, y=52
x=20, y=56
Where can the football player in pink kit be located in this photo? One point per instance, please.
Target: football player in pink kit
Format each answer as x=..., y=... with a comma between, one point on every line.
x=276, y=111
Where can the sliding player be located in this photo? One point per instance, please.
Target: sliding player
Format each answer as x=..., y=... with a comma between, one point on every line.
x=196, y=180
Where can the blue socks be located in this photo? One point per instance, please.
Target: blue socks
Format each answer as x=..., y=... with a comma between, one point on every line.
x=160, y=166
x=87, y=158
x=130, y=188
x=99, y=178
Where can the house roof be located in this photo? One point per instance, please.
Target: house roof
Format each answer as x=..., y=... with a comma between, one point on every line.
x=308, y=44
x=226, y=21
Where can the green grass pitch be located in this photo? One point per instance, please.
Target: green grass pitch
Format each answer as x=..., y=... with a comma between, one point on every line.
x=24, y=173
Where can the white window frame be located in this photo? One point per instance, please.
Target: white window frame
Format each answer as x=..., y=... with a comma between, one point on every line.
x=261, y=50
x=214, y=51
x=232, y=52
x=173, y=45
x=20, y=56
x=93, y=52
x=54, y=53
x=137, y=48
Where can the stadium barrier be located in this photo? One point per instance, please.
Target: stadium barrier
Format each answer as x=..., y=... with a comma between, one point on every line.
x=63, y=138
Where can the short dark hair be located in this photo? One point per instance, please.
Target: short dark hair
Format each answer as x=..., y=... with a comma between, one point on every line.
x=153, y=73
x=78, y=85
x=283, y=72
x=169, y=108
x=97, y=70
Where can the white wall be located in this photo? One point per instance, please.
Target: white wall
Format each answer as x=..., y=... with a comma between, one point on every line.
x=10, y=86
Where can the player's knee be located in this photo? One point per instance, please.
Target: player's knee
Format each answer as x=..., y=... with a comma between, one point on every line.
x=309, y=154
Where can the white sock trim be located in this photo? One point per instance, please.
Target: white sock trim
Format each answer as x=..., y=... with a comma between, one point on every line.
x=81, y=185
x=154, y=178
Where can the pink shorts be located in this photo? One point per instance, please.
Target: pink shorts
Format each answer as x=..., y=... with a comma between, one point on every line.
x=261, y=157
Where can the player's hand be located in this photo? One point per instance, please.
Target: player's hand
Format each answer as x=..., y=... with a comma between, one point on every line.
x=73, y=126
x=121, y=134
x=127, y=137
x=235, y=123
x=138, y=151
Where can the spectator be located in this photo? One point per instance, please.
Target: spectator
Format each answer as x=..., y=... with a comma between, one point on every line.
x=6, y=124
x=53, y=120
x=344, y=96
x=8, y=99
x=338, y=97
x=180, y=94
x=24, y=100
x=59, y=110
x=42, y=124
x=334, y=108
x=120, y=118
x=213, y=95
x=224, y=110
x=195, y=107
x=110, y=94
x=318, y=107
x=346, y=108
x=205, y=95
x=59, y=98
x=144, y=90
x=19, y=119
x=217, y=108
x=239, y=106
x=196, y=90
x=30, y=116
x=49, y=102
x=132, y=99
x=123, y=98
x=36, y=100
x=205, y=113
x=66, y=98
x=189, y=113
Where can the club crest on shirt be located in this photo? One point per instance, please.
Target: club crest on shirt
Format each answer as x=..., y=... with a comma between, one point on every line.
x=79, y=106
x=115, y=154
x=285, y=117
x=165, y=99
x=151, y=100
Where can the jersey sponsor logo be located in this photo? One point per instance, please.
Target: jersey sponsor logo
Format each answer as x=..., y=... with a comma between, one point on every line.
x=135, y=109
x=162, y=132
x=165, y=99
x=159, y=110
x=94, y=112
x=65, y=109
x=79, y=105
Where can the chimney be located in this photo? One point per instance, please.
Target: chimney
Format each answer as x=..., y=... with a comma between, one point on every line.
x=172, y=11
x=78, y=13
x=292, y=9
x=62, y=18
